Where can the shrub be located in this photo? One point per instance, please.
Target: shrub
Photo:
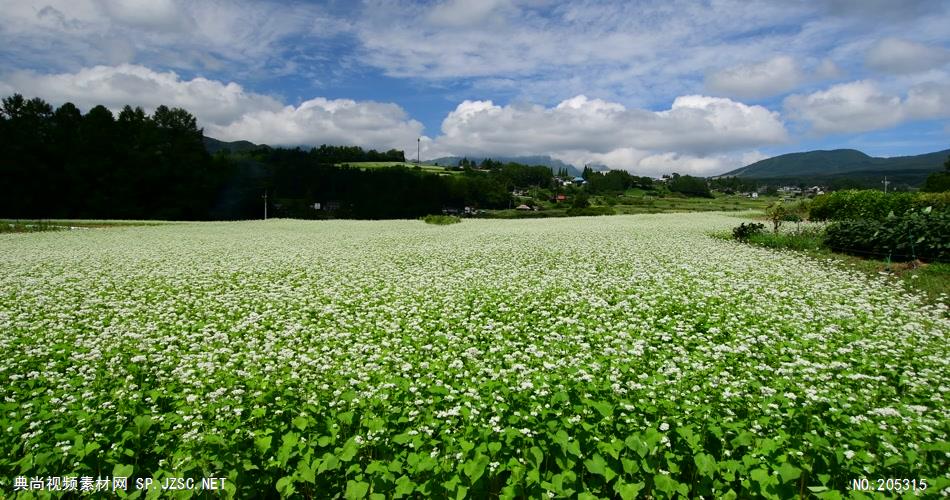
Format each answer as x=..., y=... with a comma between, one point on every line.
x=868, y=204
x=441, y=220
x=918, y=234
x=744, y=231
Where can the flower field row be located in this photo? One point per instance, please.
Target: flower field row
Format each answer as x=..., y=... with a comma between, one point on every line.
x=607, y=357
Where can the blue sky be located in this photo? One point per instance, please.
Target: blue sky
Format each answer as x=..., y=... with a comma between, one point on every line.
x=650, y=87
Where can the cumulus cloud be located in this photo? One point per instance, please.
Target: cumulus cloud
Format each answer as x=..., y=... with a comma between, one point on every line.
x=753, y=81
x=319, y=121
x=862, y=106
x=893, y=55
x=694, y=129
x=227, y=111
x=116, y=86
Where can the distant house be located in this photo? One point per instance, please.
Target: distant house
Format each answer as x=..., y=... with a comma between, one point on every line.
x=558, y=198
x=753, y=194
x=522, y=207
x=580, y=181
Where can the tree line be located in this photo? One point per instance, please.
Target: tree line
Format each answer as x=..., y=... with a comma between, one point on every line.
x=61, y=163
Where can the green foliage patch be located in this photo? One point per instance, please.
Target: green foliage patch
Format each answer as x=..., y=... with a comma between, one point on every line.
x=923, y=235
x=441, y=220
x=872, y=205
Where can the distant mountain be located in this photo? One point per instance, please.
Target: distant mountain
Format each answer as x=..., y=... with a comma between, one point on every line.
x=547, y=161
x=824, y=167
x=213, y=145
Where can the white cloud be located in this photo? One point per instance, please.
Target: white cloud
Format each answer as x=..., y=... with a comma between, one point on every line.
x=828, y=70
x=464, y=12
x=68, y=34
x=862, y=106
x=849, y=107
x=753, y=81
x=582, y=130
x=928, y=100
x=226, y=110
x=116, y=86
x=322, y=121
x=654, y=164
x=893, y=55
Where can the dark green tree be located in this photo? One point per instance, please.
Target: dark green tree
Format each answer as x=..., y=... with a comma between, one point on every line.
x=938, y=182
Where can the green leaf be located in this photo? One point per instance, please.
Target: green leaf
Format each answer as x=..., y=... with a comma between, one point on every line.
x=705, y=464
x=356, y=489
x=142, y=423
x=404, y=486
x=628, y=491
x=787, y=472
x=305, y=471
x=665, y=483
x=262, y=443
x=494, y=448
x=285, y=486
x=346, y=418
x=349, y=450
x=629, y=466
x=605, y=409
x=744, y=438
x=597, y=465
x=300, y=422
x=122, y=470
x=562, y=439
x=637, y=445
x=461, y=493
x=287, y=448
x=760, y=475
x=538, y=456
x=475, y=468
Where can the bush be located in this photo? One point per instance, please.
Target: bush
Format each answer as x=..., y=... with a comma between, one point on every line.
x=744, y=231
x=441, y=220
x=870, y=204
x=918, y=234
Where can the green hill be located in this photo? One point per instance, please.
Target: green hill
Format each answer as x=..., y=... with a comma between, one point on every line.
x=213, y=145
x=839, y=165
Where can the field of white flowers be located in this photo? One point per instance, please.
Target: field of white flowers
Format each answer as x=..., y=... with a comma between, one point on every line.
x=613, y=357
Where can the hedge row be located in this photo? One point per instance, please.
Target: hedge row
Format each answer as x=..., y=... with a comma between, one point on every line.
x=873, y=205
x=915, y=234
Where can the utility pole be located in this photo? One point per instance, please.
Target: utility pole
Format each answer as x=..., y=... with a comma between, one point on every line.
x=885, y=182
x=265, y=204
x=418, y=150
